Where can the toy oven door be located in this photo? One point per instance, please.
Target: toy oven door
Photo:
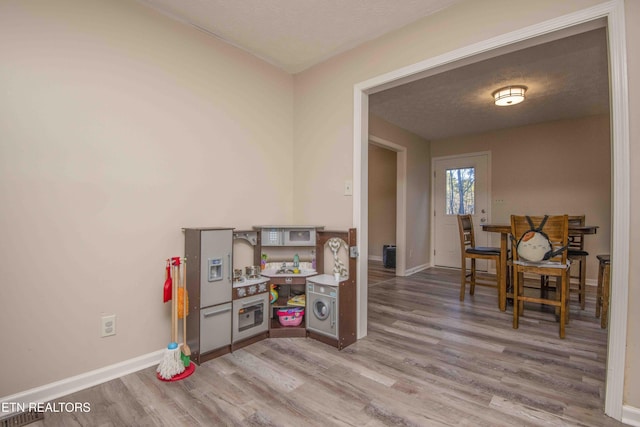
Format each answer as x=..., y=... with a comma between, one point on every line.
x=250, y=316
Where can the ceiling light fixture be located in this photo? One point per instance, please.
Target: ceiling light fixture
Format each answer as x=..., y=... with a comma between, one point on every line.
x=510, y=95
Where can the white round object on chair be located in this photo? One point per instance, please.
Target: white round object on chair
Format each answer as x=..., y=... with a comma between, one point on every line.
x=533, y=246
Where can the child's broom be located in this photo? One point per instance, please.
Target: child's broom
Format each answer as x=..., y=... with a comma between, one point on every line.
x=171, y=363
x=183, y=312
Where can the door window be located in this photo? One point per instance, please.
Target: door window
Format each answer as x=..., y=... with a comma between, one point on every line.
x=460, y=191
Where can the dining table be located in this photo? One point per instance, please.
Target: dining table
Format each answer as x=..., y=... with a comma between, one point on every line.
x=505, y=231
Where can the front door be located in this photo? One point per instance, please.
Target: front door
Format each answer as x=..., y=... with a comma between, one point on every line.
x=460, y=187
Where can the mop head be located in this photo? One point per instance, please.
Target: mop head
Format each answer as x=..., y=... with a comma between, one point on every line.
x=171, y=364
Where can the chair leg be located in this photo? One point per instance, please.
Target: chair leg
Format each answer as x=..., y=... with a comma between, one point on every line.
x=564, y=287
x=516, y=313
x=509, y=283
x=557, y=310
x=582, y=282
x=606, y=284
x=463, y=278
x=472, y=287
x=544, y=286
x=567, y=298
x=599, y=289
x=498, y=278
x=520, y=291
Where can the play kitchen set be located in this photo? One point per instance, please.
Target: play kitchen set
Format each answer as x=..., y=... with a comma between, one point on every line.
x=283, y=294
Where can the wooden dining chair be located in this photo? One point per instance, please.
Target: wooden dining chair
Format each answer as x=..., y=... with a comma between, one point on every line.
x=469, y=250
x=579, y=255
x=603, y=290
x=557, y=230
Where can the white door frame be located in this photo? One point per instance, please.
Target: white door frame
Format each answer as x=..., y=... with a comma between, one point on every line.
x=613, y=12
x=401, y=200
x=433, y=194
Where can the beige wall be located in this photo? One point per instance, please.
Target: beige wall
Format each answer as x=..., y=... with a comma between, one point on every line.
x=118, y=127
x=382, y=199
x=323, y=124
x=550, y=168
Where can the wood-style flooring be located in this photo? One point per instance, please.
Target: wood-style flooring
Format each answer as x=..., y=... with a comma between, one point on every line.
x=428, y=360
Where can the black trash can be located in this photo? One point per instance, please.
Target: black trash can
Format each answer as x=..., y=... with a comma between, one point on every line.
x=389, y=256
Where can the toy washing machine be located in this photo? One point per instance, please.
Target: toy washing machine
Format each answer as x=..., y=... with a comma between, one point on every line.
x=322, y=305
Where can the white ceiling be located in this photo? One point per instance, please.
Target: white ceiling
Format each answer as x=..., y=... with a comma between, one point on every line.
x=566, y=78
x=297, y=34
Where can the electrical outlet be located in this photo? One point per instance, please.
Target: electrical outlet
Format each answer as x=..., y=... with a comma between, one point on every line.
x=348, y=187
x=108, y=325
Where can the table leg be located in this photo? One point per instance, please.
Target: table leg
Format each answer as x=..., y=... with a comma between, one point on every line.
x=502, y=291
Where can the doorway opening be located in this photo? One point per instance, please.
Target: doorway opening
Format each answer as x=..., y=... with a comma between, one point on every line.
x=387, y=164
x=613, y=14
x=382, y=206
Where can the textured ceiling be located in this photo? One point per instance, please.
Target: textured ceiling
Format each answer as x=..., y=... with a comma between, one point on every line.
x=296, y=34
x=567, y=78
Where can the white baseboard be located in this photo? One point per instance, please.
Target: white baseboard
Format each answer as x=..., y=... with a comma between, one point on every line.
x=76, y=383
x=375, y=258
x=631, y=415
x=413, y=270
